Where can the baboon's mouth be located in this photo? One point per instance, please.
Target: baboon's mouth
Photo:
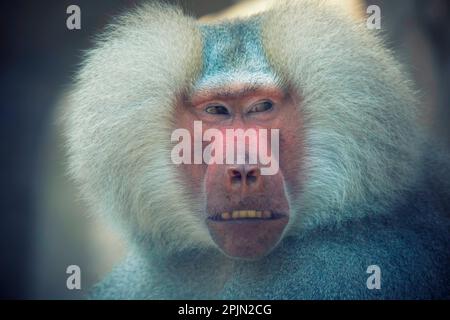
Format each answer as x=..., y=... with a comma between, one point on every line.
x=247, y=234
x=245, y=214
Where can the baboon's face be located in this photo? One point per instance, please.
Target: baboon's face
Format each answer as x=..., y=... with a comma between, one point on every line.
x=246, y=204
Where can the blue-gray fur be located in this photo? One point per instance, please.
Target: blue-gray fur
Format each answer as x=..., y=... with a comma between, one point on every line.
x=375, y=193
x=410, y=245
x=238, y=57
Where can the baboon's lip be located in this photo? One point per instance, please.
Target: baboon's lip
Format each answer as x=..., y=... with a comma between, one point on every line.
x=246, y=214
x=247, y=238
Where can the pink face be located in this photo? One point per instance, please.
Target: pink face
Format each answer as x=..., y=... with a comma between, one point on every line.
x=246, y=212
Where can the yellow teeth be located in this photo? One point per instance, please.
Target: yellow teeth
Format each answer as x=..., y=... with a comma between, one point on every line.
x=266, y=214
x=225, y=216
x=246, y=214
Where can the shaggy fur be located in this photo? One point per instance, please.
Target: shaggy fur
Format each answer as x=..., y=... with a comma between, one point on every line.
x=119, y=124
x=410, y=246
x=361, y=150
x=368, y=196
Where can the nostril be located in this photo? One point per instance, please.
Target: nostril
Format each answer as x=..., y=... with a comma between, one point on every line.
x=236, y=176
x=249, y=175
x=251, y=179
x=253, y=175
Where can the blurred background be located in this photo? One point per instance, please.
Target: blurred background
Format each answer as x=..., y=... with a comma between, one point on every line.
x=44, y=226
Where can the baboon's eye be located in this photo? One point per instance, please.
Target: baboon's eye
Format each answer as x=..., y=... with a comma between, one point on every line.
x=261, y=106
x=217, y=109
